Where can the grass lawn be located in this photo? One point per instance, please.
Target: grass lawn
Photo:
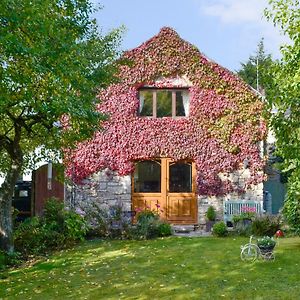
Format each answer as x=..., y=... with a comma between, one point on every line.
x=169, y=268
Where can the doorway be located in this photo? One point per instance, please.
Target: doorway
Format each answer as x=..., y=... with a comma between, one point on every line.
x=166, y=186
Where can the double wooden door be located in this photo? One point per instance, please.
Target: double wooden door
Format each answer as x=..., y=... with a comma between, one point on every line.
x=168, y=187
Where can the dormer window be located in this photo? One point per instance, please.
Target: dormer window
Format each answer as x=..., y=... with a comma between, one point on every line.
x=160, y=103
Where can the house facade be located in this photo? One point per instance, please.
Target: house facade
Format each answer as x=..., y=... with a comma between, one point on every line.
x=182, y=133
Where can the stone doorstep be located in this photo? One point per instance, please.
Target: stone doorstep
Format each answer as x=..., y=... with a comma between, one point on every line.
x=189, y=231
x=183, y=228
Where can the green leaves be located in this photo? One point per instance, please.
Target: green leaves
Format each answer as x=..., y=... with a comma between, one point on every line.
x=286, y=98
x=52, y=61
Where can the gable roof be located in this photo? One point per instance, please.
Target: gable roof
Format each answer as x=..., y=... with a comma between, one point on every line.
x=168, y=55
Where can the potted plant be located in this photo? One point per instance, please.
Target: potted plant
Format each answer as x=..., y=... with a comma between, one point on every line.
x=266, y=244
x=210, y=218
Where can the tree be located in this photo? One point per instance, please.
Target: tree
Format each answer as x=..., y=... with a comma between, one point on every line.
x=52, y=61
x=286, y=98
x=256, y=71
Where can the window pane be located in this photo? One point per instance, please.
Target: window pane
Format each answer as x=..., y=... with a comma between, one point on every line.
x=164, y=103
x=147, y=177
x=180, y=177
x=179, y=105
x=146, y=103
x=23, y=193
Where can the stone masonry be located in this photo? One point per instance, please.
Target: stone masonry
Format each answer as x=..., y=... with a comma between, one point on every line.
x=106, y=189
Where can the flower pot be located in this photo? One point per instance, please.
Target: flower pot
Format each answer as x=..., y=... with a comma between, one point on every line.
x=265, y=250
x=209, y=225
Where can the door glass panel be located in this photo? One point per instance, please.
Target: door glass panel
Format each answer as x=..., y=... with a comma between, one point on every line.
x=164, y=104
x=147, y=177
x=146, y=103
x=180, y=177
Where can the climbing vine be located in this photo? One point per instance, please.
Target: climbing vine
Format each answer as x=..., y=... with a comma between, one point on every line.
x=223, y=128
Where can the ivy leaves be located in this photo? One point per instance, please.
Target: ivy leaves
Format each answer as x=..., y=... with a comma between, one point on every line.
x=222, y=130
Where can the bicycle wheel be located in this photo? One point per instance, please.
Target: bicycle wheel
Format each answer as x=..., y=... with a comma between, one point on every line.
x=249, y=253
x=269, y=256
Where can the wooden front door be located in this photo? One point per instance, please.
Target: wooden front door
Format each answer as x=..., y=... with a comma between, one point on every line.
x=168, y=187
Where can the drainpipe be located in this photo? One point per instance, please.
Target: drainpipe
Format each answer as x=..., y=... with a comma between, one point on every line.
x=49, y=176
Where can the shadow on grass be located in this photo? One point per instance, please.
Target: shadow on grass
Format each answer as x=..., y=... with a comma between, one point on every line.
x=169, y=268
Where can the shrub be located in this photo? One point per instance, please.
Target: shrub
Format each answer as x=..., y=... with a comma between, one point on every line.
x=147, y=224
x=211, y=213
x=265, y=225
x=56, y=229
x=63, y=226
x=98, y=221
x=291, y=209
x=243, y=216
x=29, y=237
x=54, y=211
x=75, y=226
x=9, y=259
x=112, y=223
x=220, y=229
x=164, y=229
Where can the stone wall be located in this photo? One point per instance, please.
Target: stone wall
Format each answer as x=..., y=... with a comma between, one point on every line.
x=253, y=193
x=106, y=189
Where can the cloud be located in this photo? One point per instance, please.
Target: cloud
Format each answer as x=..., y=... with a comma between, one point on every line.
x=235, y=11
x=248, y=17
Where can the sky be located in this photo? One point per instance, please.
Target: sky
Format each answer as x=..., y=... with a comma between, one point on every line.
x=226, y=31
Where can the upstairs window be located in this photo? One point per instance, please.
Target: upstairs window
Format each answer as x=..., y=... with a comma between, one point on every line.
x=164, y=103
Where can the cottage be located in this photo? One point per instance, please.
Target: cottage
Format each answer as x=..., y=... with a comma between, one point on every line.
x=182, y=133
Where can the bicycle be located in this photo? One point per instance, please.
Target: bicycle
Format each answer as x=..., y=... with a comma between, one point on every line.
x=250, y=252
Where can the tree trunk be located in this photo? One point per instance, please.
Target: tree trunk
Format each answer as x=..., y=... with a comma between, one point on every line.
x=7, y=190
x=6, y=194
x=6, y=233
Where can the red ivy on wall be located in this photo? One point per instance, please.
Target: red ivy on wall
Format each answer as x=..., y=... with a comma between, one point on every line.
x=222, y=130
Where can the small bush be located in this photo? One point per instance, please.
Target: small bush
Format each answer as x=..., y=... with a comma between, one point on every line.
x=164, y=229
x=56, y=229
x=220, y=229
x=243, y=216
x=98, y=220
x=30, y=237
x=9, y=259
x=54, y=211
x=111, y=223
x=75, y=226
x=147, y=224
x=211, y=213
x=265, y=225
x=291, y=208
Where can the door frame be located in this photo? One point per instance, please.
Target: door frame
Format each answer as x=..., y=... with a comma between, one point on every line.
x=165, y=199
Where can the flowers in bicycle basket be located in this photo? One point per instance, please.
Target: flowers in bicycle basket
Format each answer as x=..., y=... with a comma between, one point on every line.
x=266, y=242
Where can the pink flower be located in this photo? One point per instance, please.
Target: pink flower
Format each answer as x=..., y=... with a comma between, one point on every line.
x=248, y=209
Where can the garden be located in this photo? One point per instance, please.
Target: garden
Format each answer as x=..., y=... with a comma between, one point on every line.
x=98, y=254
x=168, y=267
